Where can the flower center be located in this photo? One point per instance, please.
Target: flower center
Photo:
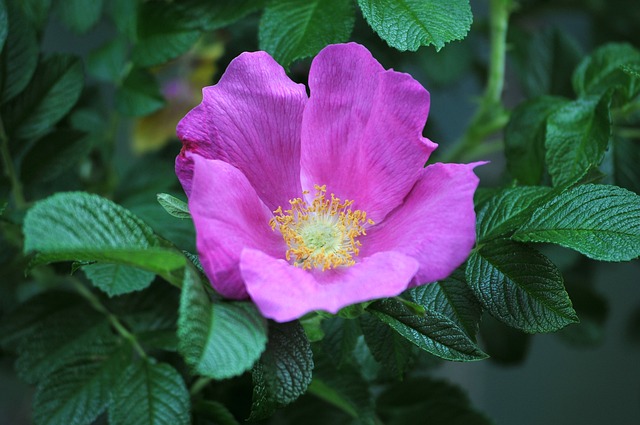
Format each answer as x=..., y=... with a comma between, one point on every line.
x=321, y=234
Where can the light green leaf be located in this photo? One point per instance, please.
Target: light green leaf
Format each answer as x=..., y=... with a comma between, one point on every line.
x=524, y=138
x=284, y=371
x=219, y=340
x=577, y=136
x=409, y=24
x=602, y=222
x=54, y=89
x=520, y=287
x=108, y=62
x=77, y=226
x=431, y=332
x=394, y=353
x=117, y=279
x=174, y=206
x=150, y=393
x=139, y=94
x=19, y=57
x=79, y=15
x=294, y=29
x=453, y=298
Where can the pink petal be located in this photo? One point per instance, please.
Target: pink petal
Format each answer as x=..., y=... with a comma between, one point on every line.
x=362, y=129
x=435, y=224
x=250, y=119
x=228, y=216
x=283, y=292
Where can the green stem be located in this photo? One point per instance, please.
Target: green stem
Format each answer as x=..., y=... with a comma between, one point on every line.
x=199, y=385
x=10, y=171
x=490, y=115
x=115, y=322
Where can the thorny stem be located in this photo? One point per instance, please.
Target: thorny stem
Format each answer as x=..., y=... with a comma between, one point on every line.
x=490, y=115
x=115, y=322
x=10, y=171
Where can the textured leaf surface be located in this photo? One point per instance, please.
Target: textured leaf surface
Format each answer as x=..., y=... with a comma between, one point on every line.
x=602, y=222
x=218, y=340
x=150, y=394
x=577, y=136
x=294, y=29
x=117, y=279
x=520, y=287
x=453, y=298
x=394, y=353
x=284, y=370
x=409, y=24
x=431, y=332
x=174, y=206
x=83, y=227
x=340, y=337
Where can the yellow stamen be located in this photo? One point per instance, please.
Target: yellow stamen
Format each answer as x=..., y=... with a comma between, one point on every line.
x=322, y=234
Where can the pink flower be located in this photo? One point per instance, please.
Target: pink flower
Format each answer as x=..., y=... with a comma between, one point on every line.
x=316, y=203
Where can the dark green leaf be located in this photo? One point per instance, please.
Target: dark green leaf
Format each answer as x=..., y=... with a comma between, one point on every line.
x=603, y=70
x=577, y=136
x=37, y=11
x=520, y=287
x=293, y=29
x=284, y=370
x=409, y=24
x=54, y=89
x=215, y=412
x=4, y=24
x=218, y=340
x=524, y=138
x=505, y=345
x=394, y=353
x=602, y=222
x=82, y=227
x=453, y=298
x=340, y=337
x=164, y=33
x=139, y=94
x=117, y=279
x=79, y=15
x=19, y=57
x=124, y=14
x=431, y=332
x=174, y=206
x=210, y=15
x=626, y=157
x=108, y=62
x=592, y=309
x=150, y=393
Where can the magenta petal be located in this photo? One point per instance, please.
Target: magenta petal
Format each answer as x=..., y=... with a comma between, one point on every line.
x=283, y=292
x=250, y=119
x=362, y=129
x=228, y=216
x=436, y=223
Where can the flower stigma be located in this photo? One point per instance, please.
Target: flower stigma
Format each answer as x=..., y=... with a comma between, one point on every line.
x=323, y=234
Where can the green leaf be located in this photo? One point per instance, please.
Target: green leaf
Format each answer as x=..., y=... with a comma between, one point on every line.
x=4, y=24
x=37, y=11
x=218, y=340
x=108, y=62
x=293, y=29
x=174, y=206
x=79, y=393
x=163, y=33
x=390, y=349
x=626, y=157
x=602, y=222
x=509, y=210
x=150, y=393
x=431, y=332
x=340, y=337
x=520, y=287
x=577, y=136
x=216, y=412
x=524, y=138
x=77, y=226
x=19, y=57
x=409, y=24
x=139, y=94
x=124, y=14
x=54, y=89
x=284, y=370
x=210, y=15
x=603, y=70
x=116, y=279
x=453, y=298
x=79, y=15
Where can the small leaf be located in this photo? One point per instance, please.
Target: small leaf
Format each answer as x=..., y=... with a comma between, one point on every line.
x=108, y=62
x=79, y=15
x=124, y=14
x=139, y=94
x=36, y=11
x=453, y=298
x=431, y=332
x=394, y=353
x=173, y=205
x=409, y=24
x=4, y=24
x=116, y=279
x=284, y=370
x=340, y=337
x=215, y=412
x=294, y=29
x=524, y=138
x=602, y=222
x=577, y=136
x=520, y=287
x=218, y=340
x=213, y=15
x=150, y=393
